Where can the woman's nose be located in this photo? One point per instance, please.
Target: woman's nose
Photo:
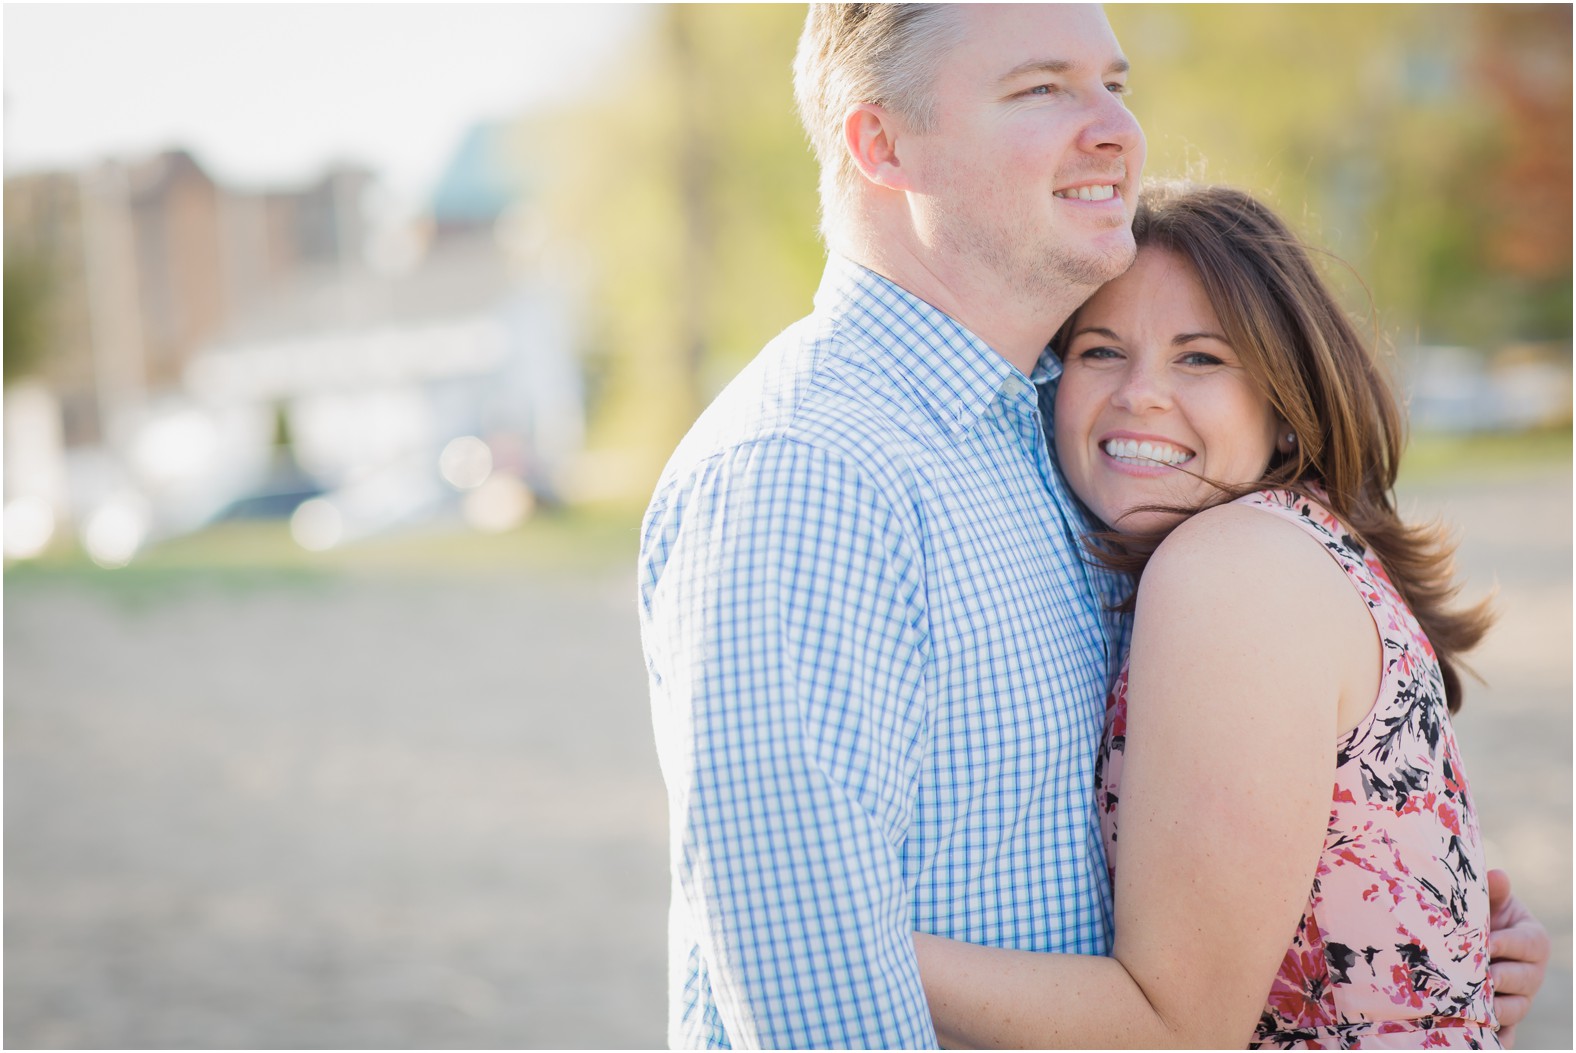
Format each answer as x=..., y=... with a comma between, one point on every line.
x=1142, y=390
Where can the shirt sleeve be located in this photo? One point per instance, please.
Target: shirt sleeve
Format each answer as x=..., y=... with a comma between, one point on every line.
x=785, y=631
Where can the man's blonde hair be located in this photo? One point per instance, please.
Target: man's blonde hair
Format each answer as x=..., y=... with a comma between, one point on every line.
x=883, y=54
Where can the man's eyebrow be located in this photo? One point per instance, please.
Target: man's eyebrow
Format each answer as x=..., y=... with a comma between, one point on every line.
x=1059, y=67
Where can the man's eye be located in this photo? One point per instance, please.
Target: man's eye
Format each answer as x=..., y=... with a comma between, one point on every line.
x=1042, y=89
x=1118, y=88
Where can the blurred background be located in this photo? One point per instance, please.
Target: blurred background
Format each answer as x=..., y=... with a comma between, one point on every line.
x=342, y=347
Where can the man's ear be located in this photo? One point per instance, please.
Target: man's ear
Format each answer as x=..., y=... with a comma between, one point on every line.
x=871, y=135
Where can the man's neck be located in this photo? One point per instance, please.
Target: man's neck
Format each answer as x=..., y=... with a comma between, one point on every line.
x=984, y=305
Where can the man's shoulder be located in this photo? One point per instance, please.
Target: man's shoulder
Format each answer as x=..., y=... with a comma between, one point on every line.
x=819, y=386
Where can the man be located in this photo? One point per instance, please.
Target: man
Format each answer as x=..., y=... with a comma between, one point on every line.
x=877, y=660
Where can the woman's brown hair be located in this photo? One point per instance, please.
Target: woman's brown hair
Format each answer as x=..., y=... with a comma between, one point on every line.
x=1322, y=379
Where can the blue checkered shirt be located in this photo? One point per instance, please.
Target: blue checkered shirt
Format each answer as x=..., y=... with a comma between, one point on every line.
x=877, y=664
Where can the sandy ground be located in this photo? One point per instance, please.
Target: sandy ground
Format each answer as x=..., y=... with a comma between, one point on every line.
x=371, y=813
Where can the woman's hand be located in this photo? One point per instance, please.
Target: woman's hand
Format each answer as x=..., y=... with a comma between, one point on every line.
x=1518, y=950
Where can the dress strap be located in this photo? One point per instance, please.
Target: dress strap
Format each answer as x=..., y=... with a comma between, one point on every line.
x=1365, y=572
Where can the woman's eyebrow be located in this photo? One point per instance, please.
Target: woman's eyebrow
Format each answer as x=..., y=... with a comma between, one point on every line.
x=1184, y=338
x=1097, y=331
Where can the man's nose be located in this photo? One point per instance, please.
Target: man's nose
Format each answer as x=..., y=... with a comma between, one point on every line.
x=1113, y=131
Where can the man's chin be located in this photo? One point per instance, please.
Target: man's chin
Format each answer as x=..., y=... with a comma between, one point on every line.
x=1099, y=265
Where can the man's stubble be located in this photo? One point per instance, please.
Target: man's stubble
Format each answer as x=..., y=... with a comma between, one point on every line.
x=1039, y=272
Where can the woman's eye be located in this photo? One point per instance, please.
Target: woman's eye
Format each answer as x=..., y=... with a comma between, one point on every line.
x=1099, y=354
x=1200, y=358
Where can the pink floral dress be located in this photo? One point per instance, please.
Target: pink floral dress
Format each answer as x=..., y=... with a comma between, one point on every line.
x=1392, y=948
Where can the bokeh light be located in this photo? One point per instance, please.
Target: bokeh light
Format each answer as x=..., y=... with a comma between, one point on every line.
x=466, y=462
x=317, y=525
x=116, y=531
x=29, y=525
x=500, y=503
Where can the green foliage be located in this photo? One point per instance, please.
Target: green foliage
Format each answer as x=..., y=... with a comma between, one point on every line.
x=1383, y=132
x=695, y=194
x=1454, y=460
x=1404, y=138
x=246, y=556
x=283, y=439
x=28, y=287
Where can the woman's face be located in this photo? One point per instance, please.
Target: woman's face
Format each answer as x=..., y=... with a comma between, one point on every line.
x=1152, y=398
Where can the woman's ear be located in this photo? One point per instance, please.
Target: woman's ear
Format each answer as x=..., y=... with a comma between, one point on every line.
x=1285, y=438
x=871, y=135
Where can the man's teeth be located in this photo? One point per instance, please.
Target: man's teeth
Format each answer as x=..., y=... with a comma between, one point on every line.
x=1134, y=451
x=1089, y=193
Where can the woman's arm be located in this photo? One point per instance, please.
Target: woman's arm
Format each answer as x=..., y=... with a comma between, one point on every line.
x=1247, y=637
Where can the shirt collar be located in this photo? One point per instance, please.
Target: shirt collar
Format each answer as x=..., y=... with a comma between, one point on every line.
x=953, y=372
x=1048, y=370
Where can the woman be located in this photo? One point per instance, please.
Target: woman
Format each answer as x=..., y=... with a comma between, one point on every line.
x=1291, y=636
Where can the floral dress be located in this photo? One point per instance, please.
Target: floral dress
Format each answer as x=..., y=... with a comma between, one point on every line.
x=1392, y=948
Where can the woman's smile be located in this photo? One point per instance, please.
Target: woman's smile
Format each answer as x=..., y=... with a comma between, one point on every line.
x=1154, y=406
x=1144, y=454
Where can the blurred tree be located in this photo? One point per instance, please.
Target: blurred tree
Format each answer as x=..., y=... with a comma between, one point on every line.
x=1524, y=57
x=1426, y=145
x=695, y=195
x=28, y=286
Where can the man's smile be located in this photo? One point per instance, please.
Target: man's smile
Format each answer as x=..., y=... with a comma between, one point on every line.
x=1098, y=192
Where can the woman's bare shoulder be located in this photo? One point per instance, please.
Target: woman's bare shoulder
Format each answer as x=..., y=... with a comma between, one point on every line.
x=1251, y=562
x=1238, y=534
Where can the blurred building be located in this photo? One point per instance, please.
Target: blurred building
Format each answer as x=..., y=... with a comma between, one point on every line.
x=148, y=261
x=1458, y=390
x=212, y=350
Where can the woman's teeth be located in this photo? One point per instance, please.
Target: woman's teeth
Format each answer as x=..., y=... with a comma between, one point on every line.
x=1134, y=452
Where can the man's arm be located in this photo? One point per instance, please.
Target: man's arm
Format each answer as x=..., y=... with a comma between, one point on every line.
x=785, y=634
x=1518, y=948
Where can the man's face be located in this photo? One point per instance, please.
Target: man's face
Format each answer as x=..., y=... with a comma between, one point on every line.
x=1031, y=171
